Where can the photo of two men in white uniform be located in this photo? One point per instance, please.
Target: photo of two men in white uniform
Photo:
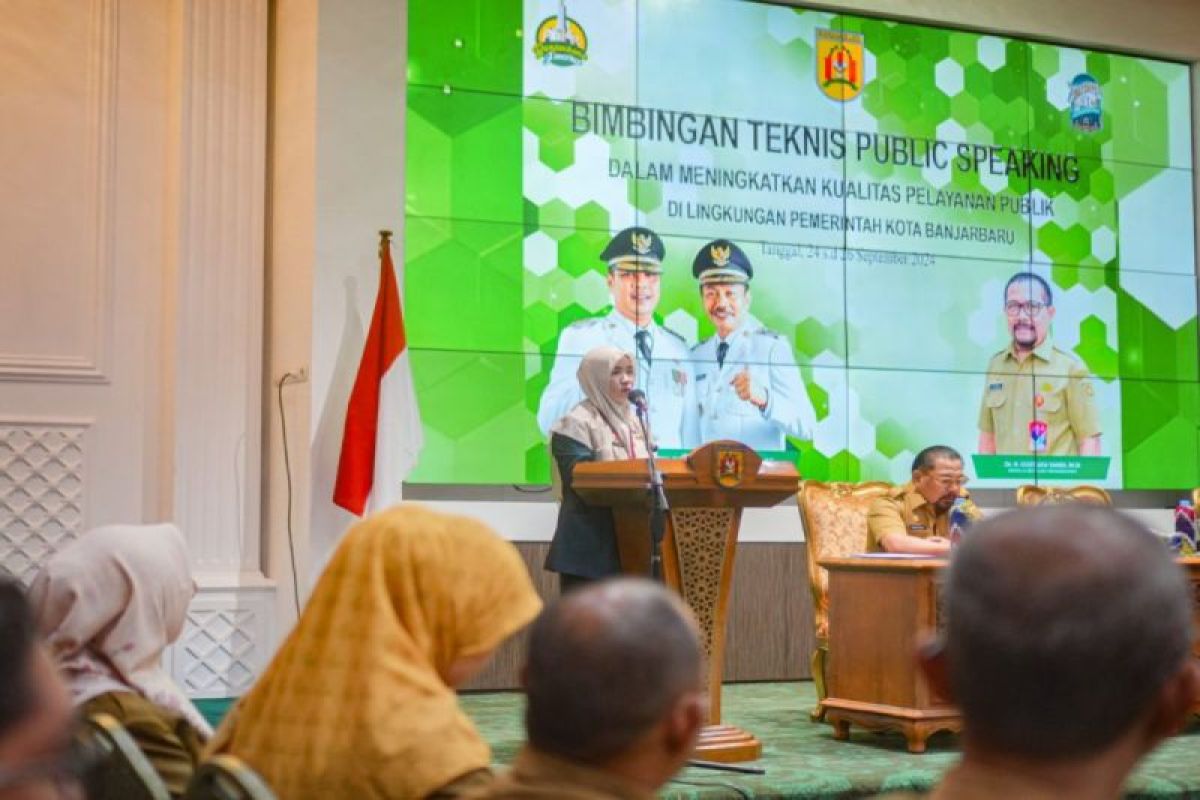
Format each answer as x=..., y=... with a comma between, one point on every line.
x=741, y=383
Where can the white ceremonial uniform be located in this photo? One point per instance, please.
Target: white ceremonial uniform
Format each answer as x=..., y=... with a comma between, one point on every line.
x=667, y=380
x=773, y=370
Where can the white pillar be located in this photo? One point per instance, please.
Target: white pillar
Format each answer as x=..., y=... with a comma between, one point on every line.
x=217, y=293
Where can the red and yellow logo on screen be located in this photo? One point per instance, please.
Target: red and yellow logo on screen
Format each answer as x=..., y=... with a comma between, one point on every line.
x=840, y=64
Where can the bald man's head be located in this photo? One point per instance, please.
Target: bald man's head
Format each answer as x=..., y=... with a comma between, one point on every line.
x=1063, y=624
x=606, y=664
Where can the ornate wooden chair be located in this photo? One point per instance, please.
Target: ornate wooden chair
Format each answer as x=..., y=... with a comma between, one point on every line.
x=1030, y=495
x=227, y=777
x=834, y=516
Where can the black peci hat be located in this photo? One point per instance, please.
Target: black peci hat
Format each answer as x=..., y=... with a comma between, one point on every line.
x=637, y=249
x=722, y=261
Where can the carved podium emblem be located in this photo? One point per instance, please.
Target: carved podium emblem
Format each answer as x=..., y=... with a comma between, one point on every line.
x=731, y=466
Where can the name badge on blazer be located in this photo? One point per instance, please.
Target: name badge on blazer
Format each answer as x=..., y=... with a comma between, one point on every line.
x=918, y=527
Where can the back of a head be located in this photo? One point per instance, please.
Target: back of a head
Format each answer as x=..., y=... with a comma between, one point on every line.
x=1063, y=624
x=18, y=635
x=606, y=663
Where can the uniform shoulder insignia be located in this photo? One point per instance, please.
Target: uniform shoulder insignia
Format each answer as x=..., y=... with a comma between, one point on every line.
x=1075, y=367
x=584, y=324
x=1071, y=358
x=672, y=333
x=996, y=359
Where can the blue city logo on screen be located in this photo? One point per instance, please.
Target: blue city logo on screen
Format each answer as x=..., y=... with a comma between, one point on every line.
x=1086, y=103
x=839, y=64
x=1038, y=431
x=560, y=40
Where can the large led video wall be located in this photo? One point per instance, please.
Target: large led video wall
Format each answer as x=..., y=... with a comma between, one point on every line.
x=954, y=238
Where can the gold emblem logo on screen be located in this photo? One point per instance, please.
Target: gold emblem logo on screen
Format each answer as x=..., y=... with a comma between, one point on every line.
x=560, y=40
x=840, y=64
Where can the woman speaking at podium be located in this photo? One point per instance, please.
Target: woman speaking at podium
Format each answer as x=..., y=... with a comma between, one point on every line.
x=602, y=427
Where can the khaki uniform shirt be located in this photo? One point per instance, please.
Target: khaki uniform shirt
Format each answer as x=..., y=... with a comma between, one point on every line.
x=538, y=776
x=984, y=783
x=170, y=744
x=1049, y=385
x=905, y=511
x=975, y=782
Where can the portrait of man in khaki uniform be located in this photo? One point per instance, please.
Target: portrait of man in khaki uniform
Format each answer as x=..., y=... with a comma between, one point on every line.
x=1037, y=399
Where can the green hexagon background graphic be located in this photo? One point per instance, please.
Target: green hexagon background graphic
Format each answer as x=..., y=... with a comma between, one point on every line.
x=507, y=209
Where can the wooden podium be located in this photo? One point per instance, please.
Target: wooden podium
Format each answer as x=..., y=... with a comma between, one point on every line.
x=707, y=491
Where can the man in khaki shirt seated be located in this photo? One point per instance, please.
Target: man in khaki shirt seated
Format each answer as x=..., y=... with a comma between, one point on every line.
x=615, y=696
x=915, y=517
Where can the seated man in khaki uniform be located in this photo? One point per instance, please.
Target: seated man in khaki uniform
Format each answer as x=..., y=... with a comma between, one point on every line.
x=615, y=696
x=915, y=517
x=1038, y=399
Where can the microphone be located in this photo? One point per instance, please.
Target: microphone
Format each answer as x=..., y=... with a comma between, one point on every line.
x=638, y=398
x=658, y=496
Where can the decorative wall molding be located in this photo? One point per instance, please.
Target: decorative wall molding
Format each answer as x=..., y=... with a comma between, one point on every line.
x=219, y=293
x=99, y=141
x=226, y=642
x=42, y=480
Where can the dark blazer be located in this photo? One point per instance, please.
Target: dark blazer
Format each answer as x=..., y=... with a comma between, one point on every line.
x=585, y=543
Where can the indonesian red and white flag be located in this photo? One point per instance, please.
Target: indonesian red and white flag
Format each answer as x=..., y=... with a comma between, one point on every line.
x=383, y=435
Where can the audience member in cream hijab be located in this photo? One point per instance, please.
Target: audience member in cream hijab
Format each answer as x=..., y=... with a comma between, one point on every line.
x=600, y=428
x=359, y=701
x=109, y=604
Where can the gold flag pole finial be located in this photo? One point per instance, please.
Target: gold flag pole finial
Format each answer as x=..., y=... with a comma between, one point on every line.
x=385, y=241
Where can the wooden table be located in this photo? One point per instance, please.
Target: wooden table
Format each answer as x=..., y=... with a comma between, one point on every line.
x=878, y=611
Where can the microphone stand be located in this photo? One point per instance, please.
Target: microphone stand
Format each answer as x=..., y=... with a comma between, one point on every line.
x=658, y=497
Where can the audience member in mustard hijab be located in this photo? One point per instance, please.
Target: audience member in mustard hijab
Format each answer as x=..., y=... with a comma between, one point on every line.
x=602, y=427
x=359, y=701
x=109, y=604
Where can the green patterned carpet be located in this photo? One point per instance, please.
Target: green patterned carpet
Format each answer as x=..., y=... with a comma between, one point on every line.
x=803, y=760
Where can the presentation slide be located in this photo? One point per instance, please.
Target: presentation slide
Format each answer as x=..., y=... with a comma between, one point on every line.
x=838, y=239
